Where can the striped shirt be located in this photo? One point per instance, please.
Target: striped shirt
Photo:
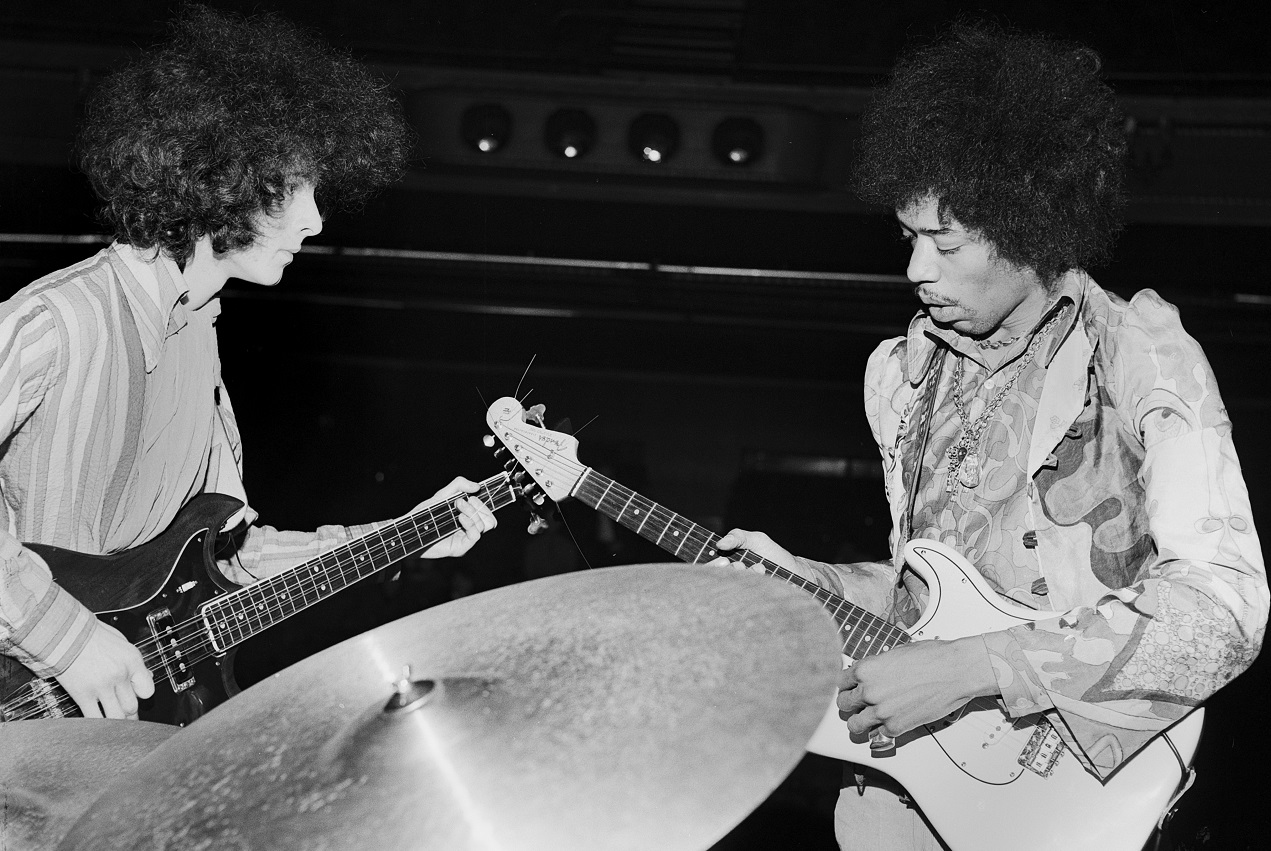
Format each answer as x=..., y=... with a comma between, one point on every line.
x=112, y=416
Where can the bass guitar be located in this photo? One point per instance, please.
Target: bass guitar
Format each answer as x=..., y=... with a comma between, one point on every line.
x=170, y=600
x=985, y=781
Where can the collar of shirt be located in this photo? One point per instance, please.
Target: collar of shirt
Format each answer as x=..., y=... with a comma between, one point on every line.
x=155, y=290
x=925, y=338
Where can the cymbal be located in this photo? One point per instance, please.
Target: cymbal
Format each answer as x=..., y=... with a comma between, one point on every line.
x=637, y=707
x=51, y=771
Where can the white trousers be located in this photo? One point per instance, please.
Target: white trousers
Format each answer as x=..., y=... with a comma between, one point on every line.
x=880, y=819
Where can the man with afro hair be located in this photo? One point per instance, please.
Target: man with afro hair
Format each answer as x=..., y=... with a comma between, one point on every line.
x=1070, y=444
x=212, y=154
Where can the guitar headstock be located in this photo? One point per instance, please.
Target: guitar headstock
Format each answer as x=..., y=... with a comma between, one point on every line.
x=549, y=457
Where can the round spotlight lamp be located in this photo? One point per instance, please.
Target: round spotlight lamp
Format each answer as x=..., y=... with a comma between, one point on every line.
x=653, y=137
x=737, y=141
x=486, y=127
x=569, y=133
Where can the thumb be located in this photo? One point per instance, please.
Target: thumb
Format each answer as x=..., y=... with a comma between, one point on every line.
x=142, y=683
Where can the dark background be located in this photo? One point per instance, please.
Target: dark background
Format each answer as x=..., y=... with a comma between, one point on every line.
x=705, y=326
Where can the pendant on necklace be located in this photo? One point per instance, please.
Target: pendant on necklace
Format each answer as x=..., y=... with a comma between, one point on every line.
x=969, y=474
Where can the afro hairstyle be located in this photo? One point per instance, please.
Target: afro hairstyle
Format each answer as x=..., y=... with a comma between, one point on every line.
x=209, y=130
x=1014, y=135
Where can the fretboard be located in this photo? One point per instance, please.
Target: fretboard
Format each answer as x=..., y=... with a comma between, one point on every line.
x=237, y=616
x=863, y=633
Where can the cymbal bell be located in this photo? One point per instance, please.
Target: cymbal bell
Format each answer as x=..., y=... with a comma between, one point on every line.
x=637, y=707
x=51, y=771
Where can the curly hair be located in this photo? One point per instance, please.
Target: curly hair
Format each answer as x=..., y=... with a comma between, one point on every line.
x=1014, y=135
x=210, y=130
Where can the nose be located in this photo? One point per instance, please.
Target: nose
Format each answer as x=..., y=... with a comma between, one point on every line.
x=922, y=268
x=308, y=218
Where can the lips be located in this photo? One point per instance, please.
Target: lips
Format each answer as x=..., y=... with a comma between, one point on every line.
x=930, y=301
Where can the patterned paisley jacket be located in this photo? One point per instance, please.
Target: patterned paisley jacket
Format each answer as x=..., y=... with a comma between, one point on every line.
x=1140, y=524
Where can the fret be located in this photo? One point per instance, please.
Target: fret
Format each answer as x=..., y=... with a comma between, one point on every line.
x=644, y=507
x=605, y=493
x=234, y=617
x=667, y=526
x=863, y=634
x=679, y=529
x=619, y=515
x=707, y=540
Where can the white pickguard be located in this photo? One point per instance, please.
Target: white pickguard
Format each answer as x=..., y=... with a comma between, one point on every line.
x=966, y=773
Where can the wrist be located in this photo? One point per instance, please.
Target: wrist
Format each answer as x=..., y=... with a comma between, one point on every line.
x=978, y=665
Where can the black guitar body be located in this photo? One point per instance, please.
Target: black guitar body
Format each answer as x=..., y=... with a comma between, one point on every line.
x=146, y=593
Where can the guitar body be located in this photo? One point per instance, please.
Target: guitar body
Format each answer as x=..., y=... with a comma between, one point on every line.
x=968, y=771
x=169, y=599
x=138, y=591
x=986, y=782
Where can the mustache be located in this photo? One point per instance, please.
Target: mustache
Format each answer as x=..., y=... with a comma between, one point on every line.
x=928, y=297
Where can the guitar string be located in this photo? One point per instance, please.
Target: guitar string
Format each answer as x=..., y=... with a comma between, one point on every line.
x=382, y=548
x=582, y=475
x=870, y=631
x=847, y=614
x=187, y=642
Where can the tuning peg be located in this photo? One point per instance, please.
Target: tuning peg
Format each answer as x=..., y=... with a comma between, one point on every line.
x=488, y=440
x=537, y=524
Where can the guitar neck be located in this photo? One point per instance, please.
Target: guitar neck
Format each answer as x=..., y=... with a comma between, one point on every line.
x=233, y=618
x=863, y=633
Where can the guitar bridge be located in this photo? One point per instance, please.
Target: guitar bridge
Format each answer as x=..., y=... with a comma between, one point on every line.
x=1043, y=750
x=163, y=628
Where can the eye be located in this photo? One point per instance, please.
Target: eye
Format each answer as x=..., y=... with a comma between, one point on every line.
x=947, y=251
x=906, y=237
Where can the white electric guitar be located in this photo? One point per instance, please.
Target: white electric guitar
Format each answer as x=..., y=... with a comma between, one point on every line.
x=985, y=781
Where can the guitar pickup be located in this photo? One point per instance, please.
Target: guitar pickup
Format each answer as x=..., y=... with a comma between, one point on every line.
x=167, y=640
x=1043, y=750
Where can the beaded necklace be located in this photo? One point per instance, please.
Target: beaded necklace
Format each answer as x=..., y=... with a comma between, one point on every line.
x=964, y=456
x=998, y=344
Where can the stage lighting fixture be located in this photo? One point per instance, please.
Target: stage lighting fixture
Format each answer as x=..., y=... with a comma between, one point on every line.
x=569, y=133
x=486, y=127
x=737, y=141
x=653, y=137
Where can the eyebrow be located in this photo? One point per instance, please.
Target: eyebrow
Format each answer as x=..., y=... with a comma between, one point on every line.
x=941, y=231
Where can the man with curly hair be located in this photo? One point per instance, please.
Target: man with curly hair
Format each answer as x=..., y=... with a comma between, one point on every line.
x=1071, y=445
x=211, y=155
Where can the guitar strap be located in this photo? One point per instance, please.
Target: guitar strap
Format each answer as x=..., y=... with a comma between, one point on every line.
x=928, y=405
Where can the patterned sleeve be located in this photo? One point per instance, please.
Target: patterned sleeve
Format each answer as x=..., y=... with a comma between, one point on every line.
x=41, y=625
x=1123, y=669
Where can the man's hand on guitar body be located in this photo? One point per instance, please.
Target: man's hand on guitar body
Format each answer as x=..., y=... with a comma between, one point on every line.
x=475, y=517
x=914, y=684
x=899, y=690
x=107, y=676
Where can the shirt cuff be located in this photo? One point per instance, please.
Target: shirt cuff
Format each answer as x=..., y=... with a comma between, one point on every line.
x=54, y=635
x=1022, y=693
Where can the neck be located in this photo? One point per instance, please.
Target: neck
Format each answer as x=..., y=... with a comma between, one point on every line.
x=1023, y=318
x=203, y=275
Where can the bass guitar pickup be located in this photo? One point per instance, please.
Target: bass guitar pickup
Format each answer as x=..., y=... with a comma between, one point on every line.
x=171, y=654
